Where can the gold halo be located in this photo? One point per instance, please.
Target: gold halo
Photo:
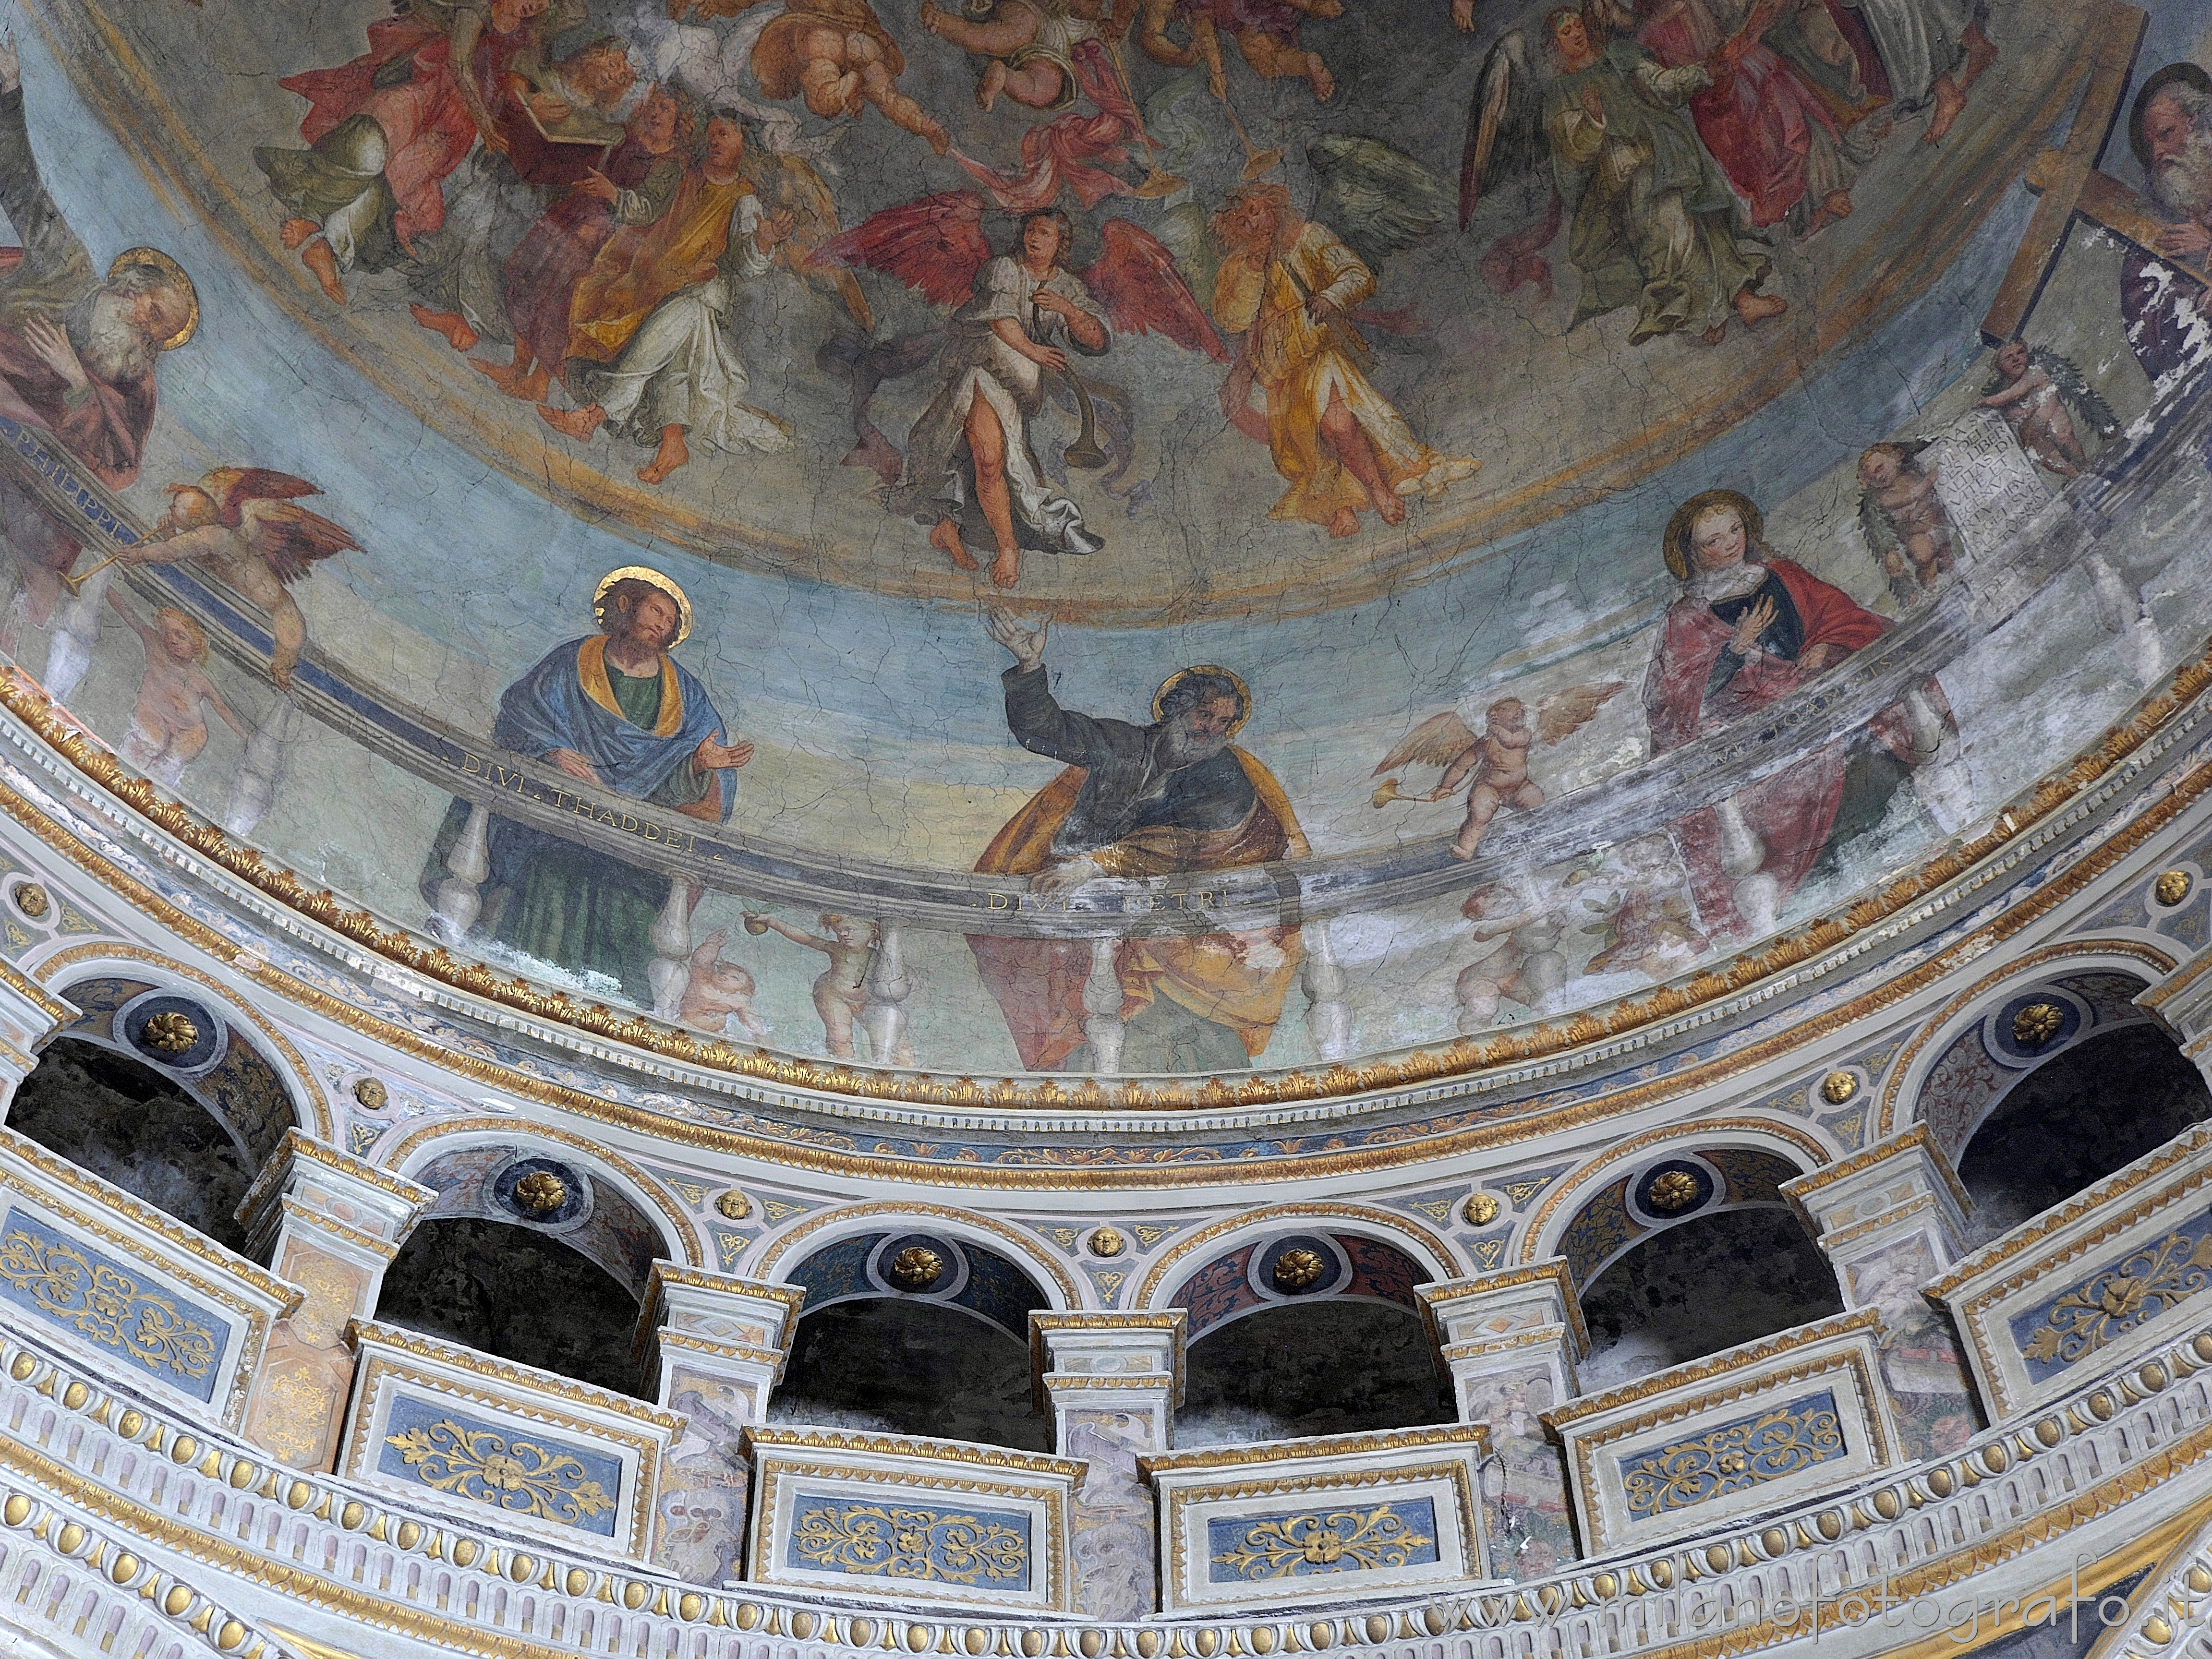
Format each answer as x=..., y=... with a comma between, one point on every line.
x=1674, y=545
x=651, y=578
x=172, y=275
x=1244, y=692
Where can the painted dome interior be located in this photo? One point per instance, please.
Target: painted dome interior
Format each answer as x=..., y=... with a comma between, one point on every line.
x=1512, y=512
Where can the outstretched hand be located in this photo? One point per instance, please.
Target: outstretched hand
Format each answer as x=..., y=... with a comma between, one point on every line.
x=1025, y=641
x=715, y=756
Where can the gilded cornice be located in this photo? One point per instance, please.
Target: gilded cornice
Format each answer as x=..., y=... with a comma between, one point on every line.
x=1023, y=1247
x=322, y=1222
x=1715, y=1367
x=859, y=1443
x=366, y=1332
x=1316, y=1446
x=1881, y=1151
x=298, y=1081
x=1487, y=1286
x=35, y=994
x=1468, y=1055
x=692, y=1342
x=1536, y=1607
x=641, y=1186
x=1534, y=1244
x=136, y=1211
x=2026, y=1236
x=790, y=1297
x=297, y=1145
x=1394, y=1227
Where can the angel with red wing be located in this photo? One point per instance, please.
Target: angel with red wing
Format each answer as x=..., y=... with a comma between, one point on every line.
x=244, y=526
x=1493, y=767
x=969, y=467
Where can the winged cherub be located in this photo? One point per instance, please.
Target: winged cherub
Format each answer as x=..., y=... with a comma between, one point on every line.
x=834, y=55
x=2040, y=394
x=1496, y=760
x=243, y=525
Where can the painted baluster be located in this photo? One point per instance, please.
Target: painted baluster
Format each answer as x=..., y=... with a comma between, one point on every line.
x=1757, y=895
x=1102, y=1010
x=883, y=1016
x=254, y=785
x=459, y=903
x=669, y=970
x=1328, y=1017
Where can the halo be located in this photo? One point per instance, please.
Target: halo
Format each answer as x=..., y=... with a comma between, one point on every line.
x=173, y=275
x=1244, y=692
x=2186, y=74
x=1675, y=543
x=651, y=578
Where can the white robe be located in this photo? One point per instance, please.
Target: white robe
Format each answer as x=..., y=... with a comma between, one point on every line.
x=681, y=368
x=936, y=482
x=1920, y=42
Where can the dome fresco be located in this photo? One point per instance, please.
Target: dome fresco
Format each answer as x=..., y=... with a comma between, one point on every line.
x=1175, y=538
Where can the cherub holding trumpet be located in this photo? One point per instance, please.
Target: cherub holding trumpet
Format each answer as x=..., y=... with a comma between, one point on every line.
x=1493, y=766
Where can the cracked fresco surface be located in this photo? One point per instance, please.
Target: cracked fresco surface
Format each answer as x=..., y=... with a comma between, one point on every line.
x=1643, y=485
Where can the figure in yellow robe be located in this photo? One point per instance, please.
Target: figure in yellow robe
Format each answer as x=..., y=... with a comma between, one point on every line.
x=1288, y=287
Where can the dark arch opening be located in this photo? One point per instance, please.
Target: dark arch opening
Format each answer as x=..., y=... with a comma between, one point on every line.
x=509, y=1290
x=130, y=1126
x=911, y=1366
x=2074, y=1120
x=1729, y=1276
x=1323, y=1367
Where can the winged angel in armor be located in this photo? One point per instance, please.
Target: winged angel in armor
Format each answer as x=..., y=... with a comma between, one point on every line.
x=1492, y=766
x=971, y=467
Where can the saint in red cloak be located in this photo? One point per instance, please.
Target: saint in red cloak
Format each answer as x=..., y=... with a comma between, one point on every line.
x=1771, y=134
x=1749, y=629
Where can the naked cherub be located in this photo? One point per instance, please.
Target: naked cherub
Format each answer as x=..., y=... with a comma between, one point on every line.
x=1029, y=46
x=717, y=992
x=242, y=524
x=850, y=944
x=1497, y=760
x=2032, y=389
x=1906, y=524
x=834, y=54
x=168, y=731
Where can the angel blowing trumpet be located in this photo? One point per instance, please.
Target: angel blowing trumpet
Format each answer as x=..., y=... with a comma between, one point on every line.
x=1497, y=760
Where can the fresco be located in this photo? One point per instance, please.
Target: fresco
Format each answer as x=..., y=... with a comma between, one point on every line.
x=1113, y=536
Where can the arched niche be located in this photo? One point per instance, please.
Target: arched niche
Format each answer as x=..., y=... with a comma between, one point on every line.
x=156, y=1087
x=1687, y=1251
x=913, y=1329
x=2102, y=1103
x=1304, y=1329
x=131, y=1126
x=533, y=1253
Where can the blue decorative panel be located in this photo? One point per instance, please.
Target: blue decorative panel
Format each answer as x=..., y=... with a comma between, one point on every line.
x=520, y=1471
x=2114, y=1299
x=1307, y=1543
x=1747, y=1451
x=925, y=1541
x=112, y=1305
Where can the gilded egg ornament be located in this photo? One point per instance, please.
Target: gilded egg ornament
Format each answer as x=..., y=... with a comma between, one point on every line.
x=2172, y=886
x=541, y=1192
x=1837, y=1087
x=2036, y=1024
x=733, y=1206
x=915, y=1267
x=1296, y=1270
x=1671, y=1190
x=1107, y=1241
x=170, y=1032
x=1480, y=1210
